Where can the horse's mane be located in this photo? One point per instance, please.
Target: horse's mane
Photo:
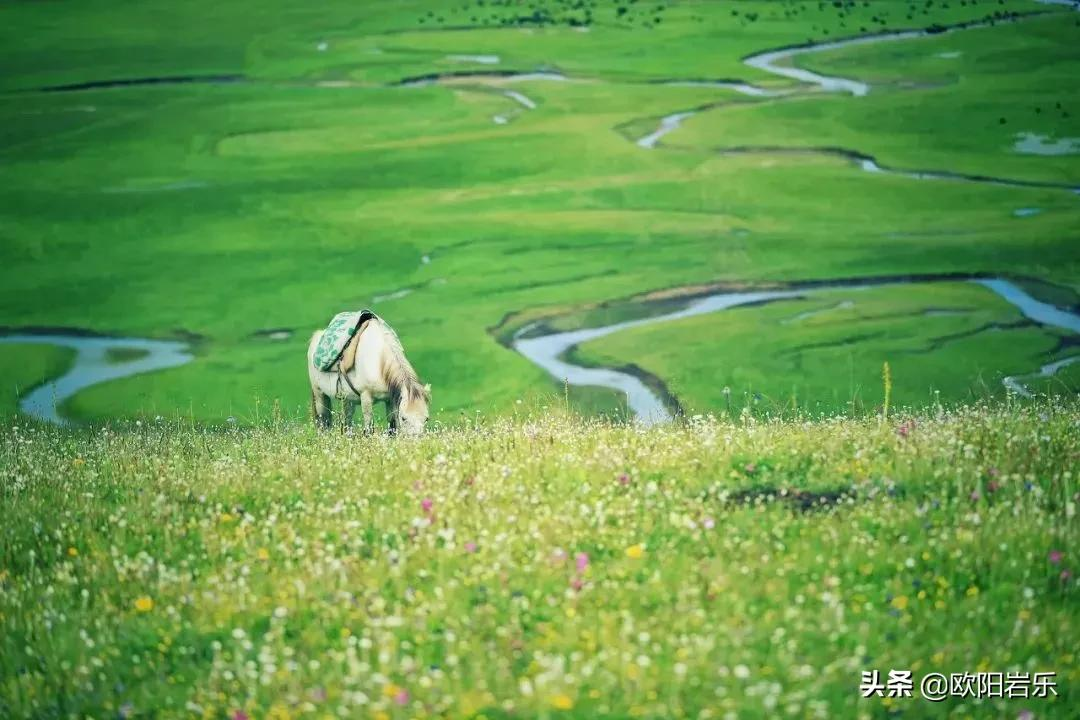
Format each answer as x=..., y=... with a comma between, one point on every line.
x=398, y=373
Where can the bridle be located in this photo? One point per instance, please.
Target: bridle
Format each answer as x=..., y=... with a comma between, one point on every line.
x=345, y=377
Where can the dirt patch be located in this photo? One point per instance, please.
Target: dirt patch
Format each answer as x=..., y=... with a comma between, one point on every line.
x=798, y=500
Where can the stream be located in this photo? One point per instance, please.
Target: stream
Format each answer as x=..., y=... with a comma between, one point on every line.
x=549, y=351
x=777, y=62
x=93, y=365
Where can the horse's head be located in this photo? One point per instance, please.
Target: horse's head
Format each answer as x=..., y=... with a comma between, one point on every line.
x=412, y=409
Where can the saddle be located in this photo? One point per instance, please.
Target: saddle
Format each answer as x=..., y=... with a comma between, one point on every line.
x=337, y=346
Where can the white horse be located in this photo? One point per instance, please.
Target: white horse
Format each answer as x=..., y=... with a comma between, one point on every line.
x=380, y=372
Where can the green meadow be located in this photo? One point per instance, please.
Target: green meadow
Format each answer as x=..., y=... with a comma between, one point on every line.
x=954, y=101
x=312, y=182
x=858, y=482
x=25, y=367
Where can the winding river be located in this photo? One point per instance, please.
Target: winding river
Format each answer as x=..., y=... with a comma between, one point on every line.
x=549, y=351
x=668, y=123
x=1046, y=371
x=778, y=62
x=97, y=360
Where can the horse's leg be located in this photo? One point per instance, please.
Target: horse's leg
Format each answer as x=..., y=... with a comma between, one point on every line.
x=391, y=415
x=320, y=410
x=349, y=408
x=369, y=417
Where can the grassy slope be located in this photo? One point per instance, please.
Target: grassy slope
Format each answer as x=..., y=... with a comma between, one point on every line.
x=223, y=210
x=23, y=367
x=826, y=352
x=230, y=563
x=984, y=87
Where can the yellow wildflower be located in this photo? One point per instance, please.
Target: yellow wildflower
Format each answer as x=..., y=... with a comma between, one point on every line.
x=278, y=712
x=562, y=701
x=73, y=551
x=900, y=602
x=972, y=591
x=144, y=604
x=263, y=554
x=635, y=551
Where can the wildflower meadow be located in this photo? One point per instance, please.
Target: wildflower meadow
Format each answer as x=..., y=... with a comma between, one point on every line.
x=540, y=566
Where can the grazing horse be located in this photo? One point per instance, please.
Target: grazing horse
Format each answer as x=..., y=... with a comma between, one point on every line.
x=379, y=372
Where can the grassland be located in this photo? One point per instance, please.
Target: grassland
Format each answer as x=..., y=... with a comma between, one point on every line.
x=956, y=101
x=208, y=556
x=24, y=367
x=538, y=566
x=220, y=210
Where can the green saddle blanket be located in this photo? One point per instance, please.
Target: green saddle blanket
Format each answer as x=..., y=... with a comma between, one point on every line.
x=337, y=336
